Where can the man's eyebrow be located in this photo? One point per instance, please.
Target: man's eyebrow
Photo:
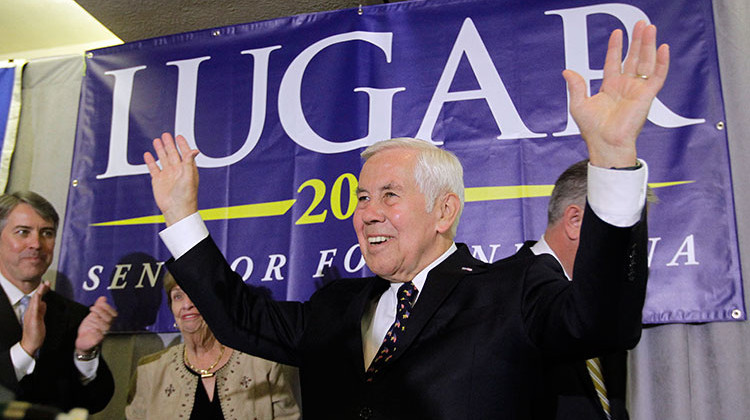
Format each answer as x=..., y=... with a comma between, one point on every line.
x=31, y=228
x=388, y=186
x=393, y=186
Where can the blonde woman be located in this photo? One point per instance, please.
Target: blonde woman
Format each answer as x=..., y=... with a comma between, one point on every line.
x=203, y=379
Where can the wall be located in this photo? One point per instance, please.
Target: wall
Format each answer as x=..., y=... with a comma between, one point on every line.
x=677, y=371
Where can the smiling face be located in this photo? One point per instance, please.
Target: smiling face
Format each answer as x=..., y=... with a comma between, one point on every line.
x=27, y=242
x=186, y=315
x=396, y=235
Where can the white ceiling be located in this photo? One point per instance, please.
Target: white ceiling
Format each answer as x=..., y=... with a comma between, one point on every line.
x=44, y=28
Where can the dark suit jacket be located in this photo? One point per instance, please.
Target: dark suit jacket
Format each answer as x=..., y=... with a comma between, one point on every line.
x=55, y=381
x=477, y=340
x=571, y=383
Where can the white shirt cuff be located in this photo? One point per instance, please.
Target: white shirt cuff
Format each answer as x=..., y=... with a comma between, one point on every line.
x=23, y=364
x=618, y=196
x=184, y=235
x=87, y=368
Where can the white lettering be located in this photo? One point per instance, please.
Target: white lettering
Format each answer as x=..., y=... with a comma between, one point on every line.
x=325, y=261
x=293, y=118
x=575, y=34
x=148, y=272
x=652, y=246
x=275, y=263
x=117, y=164
x=491, y=88
x=93, y=275
x=187, y=85
x=479, y=254
x=121, y=271
x=348, y=260
x=687, y=250
x=248, y=268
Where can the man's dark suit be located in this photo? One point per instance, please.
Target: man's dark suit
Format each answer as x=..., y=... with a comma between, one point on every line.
x=477, y=339
x=55, y=380
x=571, y=382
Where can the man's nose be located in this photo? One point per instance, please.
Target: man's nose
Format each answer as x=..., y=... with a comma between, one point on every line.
x=372, y=213
x=33, y=240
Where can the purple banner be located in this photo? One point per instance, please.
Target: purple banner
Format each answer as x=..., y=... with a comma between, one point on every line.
x=281, y=109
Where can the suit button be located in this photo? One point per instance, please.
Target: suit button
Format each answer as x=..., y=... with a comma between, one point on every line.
x=365, y=413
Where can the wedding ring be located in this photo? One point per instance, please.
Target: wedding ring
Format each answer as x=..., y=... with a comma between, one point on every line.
x=642, y=76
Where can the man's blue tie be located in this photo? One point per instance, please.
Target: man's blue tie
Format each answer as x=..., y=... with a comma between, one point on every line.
x=23, y=304
x=406, y=296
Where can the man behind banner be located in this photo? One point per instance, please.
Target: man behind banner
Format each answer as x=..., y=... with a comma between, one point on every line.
x=585, y=389
x=438, y=334
x=49, y=345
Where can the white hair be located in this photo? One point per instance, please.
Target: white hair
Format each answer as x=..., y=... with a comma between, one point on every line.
x=436, y=171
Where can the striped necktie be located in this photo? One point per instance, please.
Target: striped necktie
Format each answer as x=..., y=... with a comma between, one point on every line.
x=405, y=298
x=595, y=371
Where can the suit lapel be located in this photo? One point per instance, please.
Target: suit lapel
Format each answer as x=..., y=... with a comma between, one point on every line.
x=441, y=281
x=525, y=250
x=10, y=329
x=353, y=316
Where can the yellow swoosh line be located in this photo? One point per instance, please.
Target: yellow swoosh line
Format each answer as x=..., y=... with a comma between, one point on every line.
x=278, y=208
x=273, y=208
x=668, y=184
x=507, y=192
x=527, y=191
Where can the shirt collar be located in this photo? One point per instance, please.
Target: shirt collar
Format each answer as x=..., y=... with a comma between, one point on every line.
x=421, y=277
x=14, y=293
x=542, y=247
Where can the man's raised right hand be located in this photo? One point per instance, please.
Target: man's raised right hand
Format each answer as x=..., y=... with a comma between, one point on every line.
x=175, y=183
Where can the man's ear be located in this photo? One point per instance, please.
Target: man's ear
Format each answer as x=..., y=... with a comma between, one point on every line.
x=447, y=206
x=572, y=219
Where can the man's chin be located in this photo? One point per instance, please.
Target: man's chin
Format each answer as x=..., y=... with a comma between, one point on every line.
x=380, y=271
x=33, y=276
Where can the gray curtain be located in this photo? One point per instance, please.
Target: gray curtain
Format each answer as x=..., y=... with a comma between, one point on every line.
x=702, y=372
x=696, y=372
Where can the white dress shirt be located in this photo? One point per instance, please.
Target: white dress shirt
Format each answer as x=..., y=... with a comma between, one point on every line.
x=542, y=247
x=378, y=320
x=23, y=363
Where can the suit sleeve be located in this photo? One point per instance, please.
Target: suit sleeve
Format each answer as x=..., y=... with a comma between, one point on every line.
x=600, y=311
x=7, y=372
x=240, y=316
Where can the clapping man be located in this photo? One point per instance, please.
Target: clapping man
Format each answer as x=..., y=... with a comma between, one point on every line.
x=49, y=345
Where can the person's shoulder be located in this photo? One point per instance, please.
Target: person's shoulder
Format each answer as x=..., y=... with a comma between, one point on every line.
x=247, y=360
x=345, y=285
x=338, y=292
x=518, y=259
x=155, y=357
x=522, y=262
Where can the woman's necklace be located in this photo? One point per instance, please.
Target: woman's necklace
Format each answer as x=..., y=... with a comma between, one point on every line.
x=205, y=373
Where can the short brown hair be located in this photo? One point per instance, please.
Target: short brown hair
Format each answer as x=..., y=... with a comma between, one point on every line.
x=44, y=208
